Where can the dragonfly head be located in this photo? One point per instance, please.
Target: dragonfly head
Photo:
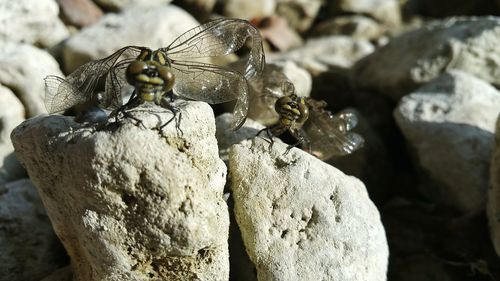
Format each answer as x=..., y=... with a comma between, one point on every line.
x=292, y=108
x=151, y=75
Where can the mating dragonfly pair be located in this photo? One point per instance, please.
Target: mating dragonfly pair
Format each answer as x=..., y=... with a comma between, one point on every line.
x=178, y=70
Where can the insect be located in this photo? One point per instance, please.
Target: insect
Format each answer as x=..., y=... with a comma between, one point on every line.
x=176, y=69
x=320, y=132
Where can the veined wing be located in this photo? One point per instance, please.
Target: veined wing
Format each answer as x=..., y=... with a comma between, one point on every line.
x=329, y=134
x=218, y=38
x=82, y=84
x=212, y=84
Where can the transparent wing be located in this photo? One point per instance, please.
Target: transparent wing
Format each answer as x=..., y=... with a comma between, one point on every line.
x=218, y=38
x=84, y=83
x=329, y=134
x=212, y=84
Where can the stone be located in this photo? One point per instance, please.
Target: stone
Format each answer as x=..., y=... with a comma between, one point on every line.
x=62, y=274
x=116, y=5
x=22, y=69
x=30, y=249
x=384, y=11
x=302, y=219
x=152, y=26
x=11, y=115
x=276, y=31
x=80, y=12
x=249, y=9
x=493, y=206
x=318, y=55
x=449, y=125
x=130, y=202
x=32, y=22
x=300, y=14
x=359, y=27
x=415, y=58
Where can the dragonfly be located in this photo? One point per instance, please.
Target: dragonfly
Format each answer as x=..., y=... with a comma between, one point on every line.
x=178, y=69
x=316, y=129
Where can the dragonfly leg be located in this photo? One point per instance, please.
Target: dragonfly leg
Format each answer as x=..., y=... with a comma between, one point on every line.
x=269, y=134
x=302, y=140
x=176, y=112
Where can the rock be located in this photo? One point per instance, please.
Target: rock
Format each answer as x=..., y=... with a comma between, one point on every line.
x=62, y=274
x=320, y=54
x=359, y=27
x=448, y=8
x=115, y=5
x=302, y=219
x=30, y=249
x=415, y=58
x=80, y=12
x=493, y=206
x=11, y=115
x=249, y=9
x=22, y=69
x=384, y=11
x=449, y=125
x=129, y=202
x=276, y=31
x=162, y=23
x=200, y=9
x=32, y=22
x=299, y=14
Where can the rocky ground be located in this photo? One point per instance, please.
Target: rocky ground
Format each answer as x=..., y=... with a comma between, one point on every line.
x=419, y=201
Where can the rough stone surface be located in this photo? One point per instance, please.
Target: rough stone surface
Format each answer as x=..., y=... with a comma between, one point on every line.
x=123, y=4
x=300, y=14
x=33, y=22
x=244, y=9
x=493, y=210
x=449, y=124
x=320, y=54
x=11, y=115
x=129, y=202
x=80, y=12
x=62, y=274
x=302, y=219
x=22, y=69
x=357, y=26
x=385, y=11
x=417, y=57
x=152, y=26
x=30, y=249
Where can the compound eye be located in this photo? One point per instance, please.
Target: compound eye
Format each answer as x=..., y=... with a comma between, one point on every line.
x=135, y=68
x=167, y=76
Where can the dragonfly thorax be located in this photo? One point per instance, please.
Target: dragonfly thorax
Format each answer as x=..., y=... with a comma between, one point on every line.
x=292, y=109
x=150, y=75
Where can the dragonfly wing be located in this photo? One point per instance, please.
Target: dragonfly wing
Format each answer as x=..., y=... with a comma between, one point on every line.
x=82, y=85
x=212, y=84
x=219, y=38
x=330, y=135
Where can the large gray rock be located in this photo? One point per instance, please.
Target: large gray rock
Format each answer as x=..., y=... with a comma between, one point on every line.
x=129, y=202
x=302, y=219
x=30, y=249
x=493, y=210
x=298, y=13
x=245, y=9
x=360, y=27
x=33, y=22
x=151, y=26
x=22, y=69
x=385, y=11
x=417, y=57
x=320, y=54
x=449, y=125
x=11, y=115
x=123, y=4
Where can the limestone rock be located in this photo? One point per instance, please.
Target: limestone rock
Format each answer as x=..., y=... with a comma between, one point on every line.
x=80, y=12
x=417, y=57
x=30, y=249
x=493, y=206
x=22, y=69
x=320, y=54
x=449, y=124
x=33, y=22
x=11, y=115
x=151, y=26
x=249, y=9
x=115, y=5
x=300, y=14
x=129, y=202
x=302, y=219
x=359, y=27
x=385, y=11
